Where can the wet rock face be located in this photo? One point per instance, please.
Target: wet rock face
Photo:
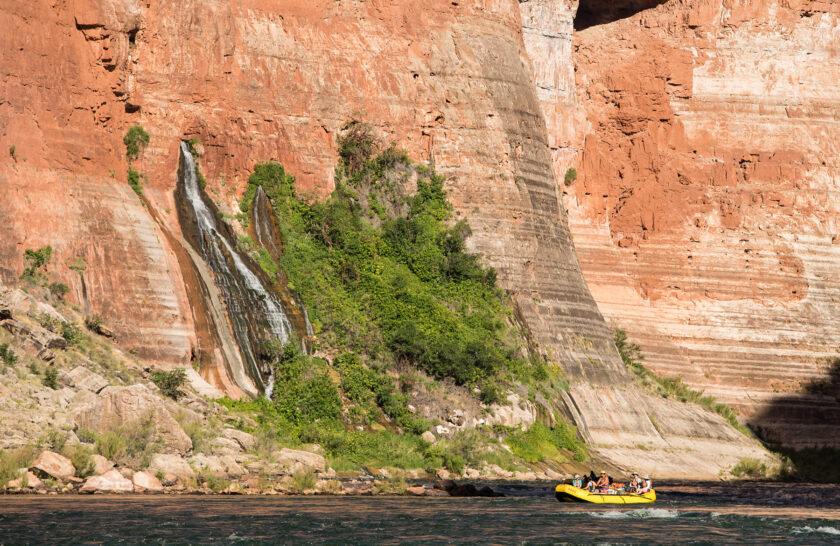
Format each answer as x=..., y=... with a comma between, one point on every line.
x=702, y=212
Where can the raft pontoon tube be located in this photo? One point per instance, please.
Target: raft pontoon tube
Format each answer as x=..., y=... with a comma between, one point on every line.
x=570, y=493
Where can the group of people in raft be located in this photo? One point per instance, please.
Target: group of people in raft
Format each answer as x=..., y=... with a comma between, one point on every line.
x=605, y=485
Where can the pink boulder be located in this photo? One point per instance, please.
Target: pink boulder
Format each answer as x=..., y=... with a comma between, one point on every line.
x=111, y=481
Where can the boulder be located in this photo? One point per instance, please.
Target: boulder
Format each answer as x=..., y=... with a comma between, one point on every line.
x=46, y=355
x=121, y=406
x=296, y=460
x=496, y=471
x=171, y=464
x=456, y=418
x=436, y=493
x=417, y=491
x=471, y=473
x=211, y=463
x=429, y=436
x=246, y=441
x=144, y=481
x=104, y=331
x=443, y=474
x=101, y=464
x=226, y=446
x=445, y=485
x=31, y=481
x=111, y=481
x=463, y=490
x=82, y=378
x=552, y=475
x=49, y=464
x=232, y=468
x=37, y=336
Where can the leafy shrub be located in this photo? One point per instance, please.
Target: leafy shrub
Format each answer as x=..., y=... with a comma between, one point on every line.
x=13, y=151
x=93, y=322
x=302, y=393
x=170, y=382
x=134, y=139
x=111, y=445
x=571, y=176
x=59, y=290
x=193, y=145
x=12, y=460
x=213, y=481
x=749, y=468
x=395, y=281
x=303, y=480
x=78, y=265
x=50, y=378
x=7, y=355
x=81, y=457
x=134, y=181
x=72, y=333
x=36, y=260
x=130, y=445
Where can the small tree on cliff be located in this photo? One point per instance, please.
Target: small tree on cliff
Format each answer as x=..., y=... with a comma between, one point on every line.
x=134, y=139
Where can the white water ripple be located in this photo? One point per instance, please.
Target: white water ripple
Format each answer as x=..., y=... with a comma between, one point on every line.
x=810, y=530
x=644, y=513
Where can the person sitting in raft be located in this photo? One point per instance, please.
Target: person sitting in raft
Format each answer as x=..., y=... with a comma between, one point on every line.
x=603, y=481
x=647, y=485
x=577, y=481
x=635, y=483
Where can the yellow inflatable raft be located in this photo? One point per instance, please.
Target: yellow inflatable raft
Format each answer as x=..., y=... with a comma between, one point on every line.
x=570, y=493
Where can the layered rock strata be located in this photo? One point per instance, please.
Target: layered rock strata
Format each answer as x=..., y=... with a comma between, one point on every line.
x=705, y=209
x=451, y=82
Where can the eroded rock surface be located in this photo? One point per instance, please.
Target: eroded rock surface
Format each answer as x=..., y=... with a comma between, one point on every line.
x=704, y=211
x=121, y=406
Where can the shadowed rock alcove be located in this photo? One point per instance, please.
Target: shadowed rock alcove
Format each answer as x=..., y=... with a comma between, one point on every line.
x=599, y=12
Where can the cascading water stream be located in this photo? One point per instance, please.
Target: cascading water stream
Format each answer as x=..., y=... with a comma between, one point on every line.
x=256, y=314
x=269, y=238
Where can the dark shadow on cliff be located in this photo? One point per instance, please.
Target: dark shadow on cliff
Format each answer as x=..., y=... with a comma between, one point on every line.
x=806, y=428
x=600, y=12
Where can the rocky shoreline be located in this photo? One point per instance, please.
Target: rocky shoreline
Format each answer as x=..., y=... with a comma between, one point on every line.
x=54, y=474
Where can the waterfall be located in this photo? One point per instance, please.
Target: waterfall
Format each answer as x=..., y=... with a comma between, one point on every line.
x=269, y=238
x=256, y=314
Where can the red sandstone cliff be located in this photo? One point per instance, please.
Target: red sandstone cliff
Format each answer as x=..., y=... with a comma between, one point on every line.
x=705, y=211
x=450, y=82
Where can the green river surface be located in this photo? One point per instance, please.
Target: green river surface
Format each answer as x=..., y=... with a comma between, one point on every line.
x=708, y=513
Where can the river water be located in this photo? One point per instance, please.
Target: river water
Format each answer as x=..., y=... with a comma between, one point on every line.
x=705, y=514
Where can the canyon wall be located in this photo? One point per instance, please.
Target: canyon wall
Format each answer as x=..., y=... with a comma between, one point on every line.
x=705, y=211
x=451, y=82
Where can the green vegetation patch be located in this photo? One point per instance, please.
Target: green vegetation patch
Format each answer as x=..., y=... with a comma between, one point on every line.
x=135, y=138
x=385, y=273
x=170, y=382
x=668, y=387
x=540, y=443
